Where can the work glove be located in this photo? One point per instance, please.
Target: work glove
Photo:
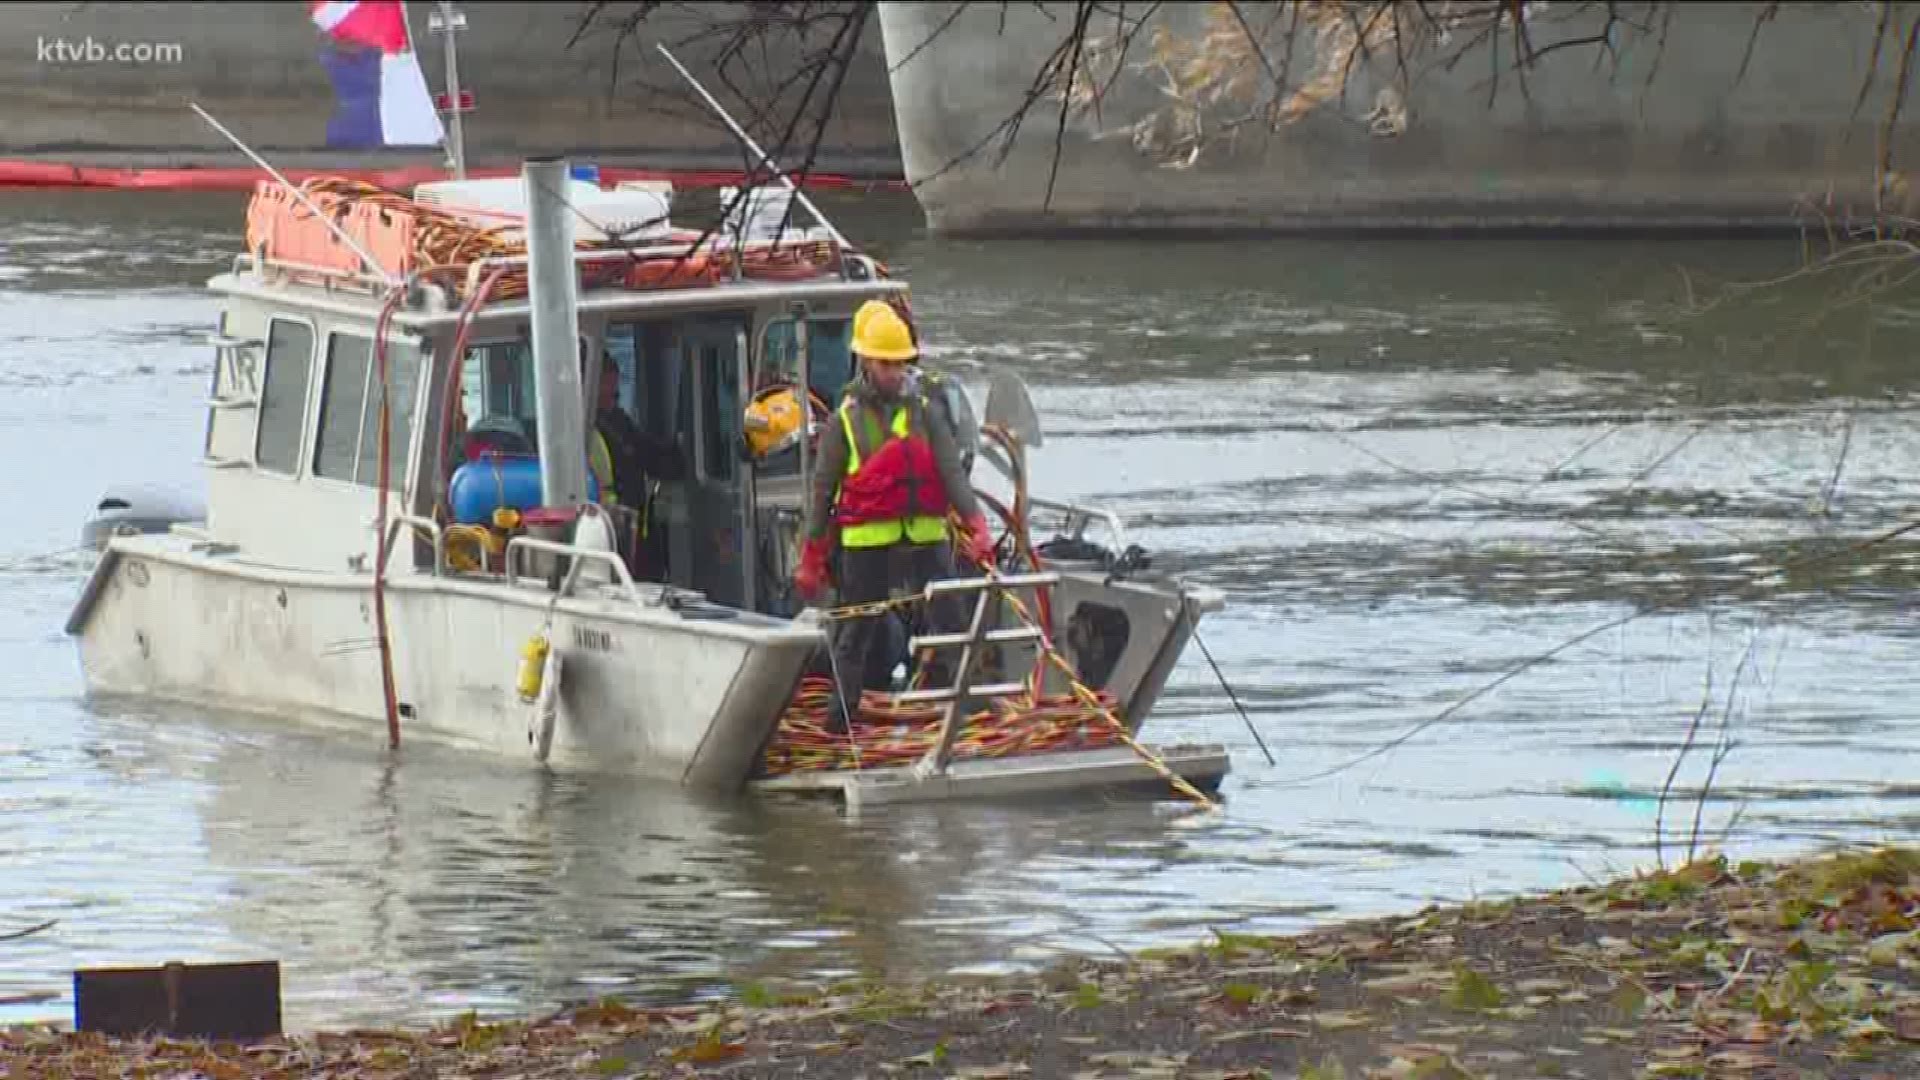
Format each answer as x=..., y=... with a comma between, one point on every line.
x=810, y=577
x=976, y=543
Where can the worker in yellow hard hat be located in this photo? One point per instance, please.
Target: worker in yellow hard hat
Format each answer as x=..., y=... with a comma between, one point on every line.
x=887, y=485
x=940, y=392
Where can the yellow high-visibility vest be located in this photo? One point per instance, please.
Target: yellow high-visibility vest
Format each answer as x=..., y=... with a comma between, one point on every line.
x=917, y=528
x=600, y=460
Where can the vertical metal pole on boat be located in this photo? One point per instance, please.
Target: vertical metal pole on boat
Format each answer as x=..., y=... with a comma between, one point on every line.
x=554, y=297
x=803, y=343
x=448, y=21
x=749, y=497
x=803, y=375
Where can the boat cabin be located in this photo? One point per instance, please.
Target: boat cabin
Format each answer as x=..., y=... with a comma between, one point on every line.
x=292, y=436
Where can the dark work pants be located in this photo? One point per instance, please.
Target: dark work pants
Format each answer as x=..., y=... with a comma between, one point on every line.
x=863, y=649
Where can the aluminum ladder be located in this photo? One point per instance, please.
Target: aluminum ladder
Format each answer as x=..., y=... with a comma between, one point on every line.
x=963, y=693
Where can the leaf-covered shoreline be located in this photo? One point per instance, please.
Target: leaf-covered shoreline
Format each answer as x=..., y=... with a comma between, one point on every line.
x=1802, y=969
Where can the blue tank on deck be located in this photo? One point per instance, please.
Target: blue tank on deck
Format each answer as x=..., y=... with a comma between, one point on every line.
x=480, y=487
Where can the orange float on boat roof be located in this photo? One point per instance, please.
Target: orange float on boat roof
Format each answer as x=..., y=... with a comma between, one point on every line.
x=281, y=228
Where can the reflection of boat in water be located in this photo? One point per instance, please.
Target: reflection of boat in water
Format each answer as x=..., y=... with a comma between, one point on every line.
x=420, y=886
x=393, y=885
x=456, y=573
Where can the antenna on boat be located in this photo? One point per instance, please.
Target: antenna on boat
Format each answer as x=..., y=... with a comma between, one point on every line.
x=765, y=158
x=373, y=264
x=448, y=21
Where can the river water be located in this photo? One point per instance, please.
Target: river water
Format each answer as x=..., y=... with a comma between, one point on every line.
x=1413, y=465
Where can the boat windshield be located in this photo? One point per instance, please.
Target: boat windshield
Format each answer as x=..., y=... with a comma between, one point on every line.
x=829, y=354
x=498, y=397
x=656, y=386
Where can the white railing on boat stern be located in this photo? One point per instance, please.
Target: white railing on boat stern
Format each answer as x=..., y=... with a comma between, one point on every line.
x=330, y=277
x=1079, y=517
x=577, y=557
x=418, y=522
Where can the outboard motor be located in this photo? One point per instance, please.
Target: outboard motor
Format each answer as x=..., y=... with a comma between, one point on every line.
x=138, y=508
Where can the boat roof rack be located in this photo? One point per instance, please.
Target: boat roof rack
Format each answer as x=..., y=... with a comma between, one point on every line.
x=345, y=235
x=359, y=295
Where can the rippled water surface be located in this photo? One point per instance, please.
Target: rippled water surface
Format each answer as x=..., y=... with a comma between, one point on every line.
x=1413, y=465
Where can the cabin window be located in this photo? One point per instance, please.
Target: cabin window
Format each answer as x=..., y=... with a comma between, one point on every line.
x=663, y=362
x=651, y=376
x=829, y=355
x=499, y=396
x=343, y=399
x=718, y=358
x=403, y=386
x=404, y=377
x=829, y=368
x=283, y=397
x=347, y=446
x=624, y=351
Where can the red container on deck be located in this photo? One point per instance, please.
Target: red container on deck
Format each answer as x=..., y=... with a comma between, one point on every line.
x=553, y=523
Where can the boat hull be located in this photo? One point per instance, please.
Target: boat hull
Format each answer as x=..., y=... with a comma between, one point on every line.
x=690, y=696
x=1124, y=636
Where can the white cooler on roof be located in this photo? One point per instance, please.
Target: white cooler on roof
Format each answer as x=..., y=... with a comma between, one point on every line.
x=627, y=212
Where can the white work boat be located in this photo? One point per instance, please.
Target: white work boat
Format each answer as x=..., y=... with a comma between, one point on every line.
x=475, y=591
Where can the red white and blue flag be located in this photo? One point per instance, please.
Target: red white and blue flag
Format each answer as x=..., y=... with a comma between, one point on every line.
x=380, y=93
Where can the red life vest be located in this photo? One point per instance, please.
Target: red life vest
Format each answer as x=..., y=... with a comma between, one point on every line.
x=893, y=492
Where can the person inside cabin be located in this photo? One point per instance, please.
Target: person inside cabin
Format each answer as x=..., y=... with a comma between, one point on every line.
x=630, y=465
x=888, y=486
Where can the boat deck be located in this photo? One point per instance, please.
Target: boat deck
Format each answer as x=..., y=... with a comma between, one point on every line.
x=1114, y=768
x=1015, y=747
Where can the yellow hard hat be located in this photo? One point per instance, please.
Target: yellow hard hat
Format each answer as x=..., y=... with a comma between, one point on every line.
x=774, y=420
x=879, y=333
x=865, y=313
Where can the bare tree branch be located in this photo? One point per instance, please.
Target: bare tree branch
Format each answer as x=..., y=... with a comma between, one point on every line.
x=1079, y=39
x=1873, y=60
x=1884, y=158
x=1680, y=756
x=1722, y=749
x=1753, y=38
x=1206, y=99
x=958, y=10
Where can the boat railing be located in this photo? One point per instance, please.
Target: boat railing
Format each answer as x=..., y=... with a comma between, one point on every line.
x=714, y=244
x=433, y=530
x=361, y=282
x=477, y=269
x=576, y=557
x=1079, y=517
x=329, y=277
